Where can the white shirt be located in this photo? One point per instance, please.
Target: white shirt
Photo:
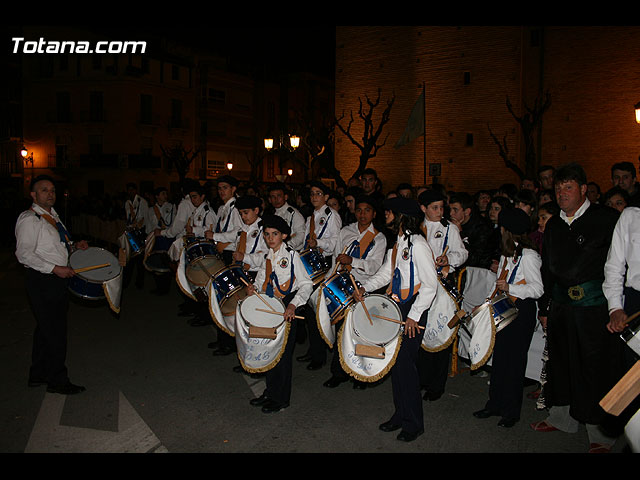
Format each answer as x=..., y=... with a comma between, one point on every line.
x=296, y=222
x=362, y=268
x=229, y=220
x=424, y=270
x=281, y=265
x=527, y=268
x=203, y=218
x=255, y=246
x=327, y=225
x=167, y=212
x=438, y=234
x=580, y=211
x=623, y=257
x=140, y=207
x=38, y=243
x=184, y=211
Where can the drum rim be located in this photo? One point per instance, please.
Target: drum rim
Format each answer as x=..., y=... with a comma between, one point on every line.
x=399, y=327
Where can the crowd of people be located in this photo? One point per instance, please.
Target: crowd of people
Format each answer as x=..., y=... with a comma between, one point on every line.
x=562, y=251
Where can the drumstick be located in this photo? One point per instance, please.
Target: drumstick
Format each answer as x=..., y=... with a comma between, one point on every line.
x=273, y=310
x=276, y=313
x=335, y=268
x=503, y=275
x=93, y=267
x=353, y=281
x=393, y=320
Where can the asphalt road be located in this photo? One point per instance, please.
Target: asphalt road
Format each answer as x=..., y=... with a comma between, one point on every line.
x=154, y=386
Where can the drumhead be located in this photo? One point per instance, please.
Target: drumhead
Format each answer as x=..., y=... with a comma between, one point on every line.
x=250, y=310
x=95, y=256
x=200, y=271
x=382, y=331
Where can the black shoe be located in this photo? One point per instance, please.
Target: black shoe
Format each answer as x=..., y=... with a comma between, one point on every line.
x=507, y=422
x=315, y=365
x=359, y=385
x=272, y=406
x=259, y=401
x=200, y=322
x=212, y=345
x=333, y=382
x=36, y=382
x=484, y=413
x=304, y=358
x=432, y=396
x=404, y=436
x=223, y=351
x=67, y=389
x=389, y=426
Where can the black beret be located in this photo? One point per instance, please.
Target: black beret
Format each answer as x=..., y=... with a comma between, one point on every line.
x=515, y=220
x=429, y=196
x=406, y=206
x=233, y=181
x=159, y=190
x=318, y=184
x=247, y=202
x=279, y=223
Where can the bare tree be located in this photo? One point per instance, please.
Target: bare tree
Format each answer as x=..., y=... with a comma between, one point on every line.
x=317, y=139
x=371, y=134
x=179, y=158
x=529, y=123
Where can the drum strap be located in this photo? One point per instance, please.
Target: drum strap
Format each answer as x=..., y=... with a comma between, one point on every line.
x=161, y=222
x=242, y=242
x=402, y=295
x=271, y=279
x=226, y=224
x=312, y=228
x=62, y=231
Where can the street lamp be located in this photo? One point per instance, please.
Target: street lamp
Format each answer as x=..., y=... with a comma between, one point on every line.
x=28, y=157
x=229, y=166
x=294, y=143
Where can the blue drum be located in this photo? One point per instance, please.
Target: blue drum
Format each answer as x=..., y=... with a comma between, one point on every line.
x=230, y=287
x=503, y=310
x=315, y=264
x=88, y=284
x=203, y=261
x=136, y=238
x=338, y=294
x=157, y=260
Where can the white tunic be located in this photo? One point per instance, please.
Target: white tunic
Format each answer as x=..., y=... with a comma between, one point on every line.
x=327, y=225
x=526, y=268
x=440, y=236
x=296, y=222
x=362, y=268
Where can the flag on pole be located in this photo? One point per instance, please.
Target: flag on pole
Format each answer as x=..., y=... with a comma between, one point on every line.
x=415, y=125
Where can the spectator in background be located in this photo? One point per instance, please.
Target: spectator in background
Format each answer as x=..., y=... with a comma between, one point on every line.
x=593, y=192
x=545, y=177
x=623, y=175
x=617, y=198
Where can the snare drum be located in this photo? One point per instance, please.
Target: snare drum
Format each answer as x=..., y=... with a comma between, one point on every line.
x=156, y=259
x=261, y=337
x=338, y=294
x=503, y=310
x=368, y=348
x=315, y=264
x=89, y=284
x=230, y=288
x=202, y=261
x=135, y=238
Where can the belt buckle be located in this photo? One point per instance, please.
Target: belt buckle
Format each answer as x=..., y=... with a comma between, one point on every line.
x=576, y=292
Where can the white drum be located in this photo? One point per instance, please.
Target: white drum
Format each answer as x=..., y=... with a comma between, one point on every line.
x=369, y=344
x=482, y=329
x=261, y=332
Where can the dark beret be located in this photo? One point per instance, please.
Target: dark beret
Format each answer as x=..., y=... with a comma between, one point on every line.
x=514, y=220
x=406, y=206
x=318, y=184
x=279, y=223
x=248, y=202
x=233, y=181
x=159, y=190
x=429, y=196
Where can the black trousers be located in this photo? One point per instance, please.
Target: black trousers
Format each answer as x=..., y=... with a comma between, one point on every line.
x=279, y=378
x=317, y=346
x=405, y=380
x=509, y=363
x=49, y=300
x=434, y=369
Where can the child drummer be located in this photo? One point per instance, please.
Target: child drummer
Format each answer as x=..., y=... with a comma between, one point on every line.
x=283, y=275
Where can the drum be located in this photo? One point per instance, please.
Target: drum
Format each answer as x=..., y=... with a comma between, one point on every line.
x=338, y=294
x=438, y=334
x=503, y=310
x=230, y=288
x=630, y=333
x=156, y=259
x=135, y=238
x=261, y=337
x=202, y=261
x=482, y=330
x=89, y=284
x=368, y=348
x=315, y=263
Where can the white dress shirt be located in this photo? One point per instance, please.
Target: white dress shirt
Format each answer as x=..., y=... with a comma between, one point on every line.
x=255, y=246
x=38, y=243
x=362, y=268
x=440, y=236
x=203, y=218
x=136, y=211
x=229, y=221
x=183, y=213
x=414, y=254
x=327, y=225
x=281, y=266
x=526, y=268
x=296, y=222
x=167, y=212
x=623, y=258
